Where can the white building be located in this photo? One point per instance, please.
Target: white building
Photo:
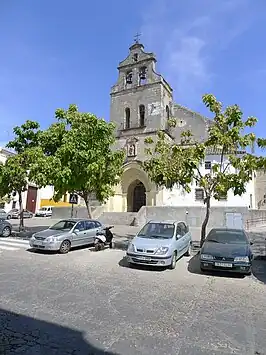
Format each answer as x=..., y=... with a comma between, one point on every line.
x=130, y=196
x=45, y=198
x=177, y=197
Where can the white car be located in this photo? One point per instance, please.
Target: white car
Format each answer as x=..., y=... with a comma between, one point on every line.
x=45, y=211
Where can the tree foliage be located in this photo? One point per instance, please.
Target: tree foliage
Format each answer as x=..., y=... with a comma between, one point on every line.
x=82, y=158
x=16, y=172
x=171, y=164
x=26, y=137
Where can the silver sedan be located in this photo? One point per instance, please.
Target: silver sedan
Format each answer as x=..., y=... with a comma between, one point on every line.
x=66, y=234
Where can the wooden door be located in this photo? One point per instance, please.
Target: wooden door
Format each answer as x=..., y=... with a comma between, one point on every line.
x=139, y=197
x=31, y=199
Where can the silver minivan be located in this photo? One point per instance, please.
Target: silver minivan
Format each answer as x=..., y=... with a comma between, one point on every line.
x=66, y=234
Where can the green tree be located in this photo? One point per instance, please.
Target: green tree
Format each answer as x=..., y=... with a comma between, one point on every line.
x=16, y=172
x=171, y=164
x=81, y=147
x=26, y=136
x=14, y=177
x=5, y=199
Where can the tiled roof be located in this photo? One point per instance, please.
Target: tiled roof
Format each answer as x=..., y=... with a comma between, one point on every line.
x=206, y=119
x=6, y=152
x=218, y=151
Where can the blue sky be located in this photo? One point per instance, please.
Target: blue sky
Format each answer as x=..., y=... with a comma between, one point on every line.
x=59, y=52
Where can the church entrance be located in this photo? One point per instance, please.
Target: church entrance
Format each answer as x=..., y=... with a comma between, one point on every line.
x=136, y=196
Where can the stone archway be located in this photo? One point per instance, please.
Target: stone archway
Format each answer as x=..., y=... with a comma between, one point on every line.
x=136, y=188
x=136, y=196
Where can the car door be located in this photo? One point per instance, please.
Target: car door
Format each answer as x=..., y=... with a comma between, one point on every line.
x=79, y=234
x=184, y=239
x=178, y=240
x=187, y=236
x=92, y=228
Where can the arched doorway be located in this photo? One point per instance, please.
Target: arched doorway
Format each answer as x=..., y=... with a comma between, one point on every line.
x=136, y=196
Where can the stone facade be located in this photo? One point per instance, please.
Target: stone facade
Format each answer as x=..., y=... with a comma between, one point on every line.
x=260, y=189
x=141, y=104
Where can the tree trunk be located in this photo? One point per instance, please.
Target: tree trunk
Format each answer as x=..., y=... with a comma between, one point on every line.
x=206, y=220
x=21, y=219
x=87, y=202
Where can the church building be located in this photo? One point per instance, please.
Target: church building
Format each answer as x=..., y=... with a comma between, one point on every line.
x=141, y=104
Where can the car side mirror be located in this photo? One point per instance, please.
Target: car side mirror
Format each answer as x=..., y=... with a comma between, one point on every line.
x=178, y=236
x=251, y=243
x=76, y=230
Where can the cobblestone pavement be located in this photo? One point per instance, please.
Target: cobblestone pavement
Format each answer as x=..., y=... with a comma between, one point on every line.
x=92, y=303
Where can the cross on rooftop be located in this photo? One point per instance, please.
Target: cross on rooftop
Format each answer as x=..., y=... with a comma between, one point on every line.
x=136, y=37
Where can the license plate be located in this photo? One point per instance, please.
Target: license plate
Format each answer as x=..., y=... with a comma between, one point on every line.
x=223, y=264
x=37, y=245
x=143, y=258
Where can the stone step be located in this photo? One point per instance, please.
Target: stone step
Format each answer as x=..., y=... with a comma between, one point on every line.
x=118, y=218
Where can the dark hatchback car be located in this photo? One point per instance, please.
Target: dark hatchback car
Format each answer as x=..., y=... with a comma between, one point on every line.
x=227, y=250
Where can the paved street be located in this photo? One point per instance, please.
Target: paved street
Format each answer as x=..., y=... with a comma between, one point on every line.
x=86, y=302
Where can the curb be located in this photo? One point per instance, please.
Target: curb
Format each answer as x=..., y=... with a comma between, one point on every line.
x=21, y=235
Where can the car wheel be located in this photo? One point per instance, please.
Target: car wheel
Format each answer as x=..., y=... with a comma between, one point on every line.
x=65, y=247
x=173, y=262
x=97, y=247
x=8, y=217
x=188, y=253
x=202, y=269
x=6, y=231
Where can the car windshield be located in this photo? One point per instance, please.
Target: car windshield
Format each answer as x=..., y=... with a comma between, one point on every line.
x=228, y=236
x=63, y=225
x=157, y=231
x=43, y=209
x=2, y=211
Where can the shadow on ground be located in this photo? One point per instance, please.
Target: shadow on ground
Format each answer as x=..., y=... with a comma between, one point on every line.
x=258, y=269
x=194, y=268
x=25, y=335
x=89, y=247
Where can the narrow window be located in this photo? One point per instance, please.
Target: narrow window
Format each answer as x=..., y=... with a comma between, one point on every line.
x=135, y=57
x=129, y=76
x=127, y=112
x=167, y=125
x=143, y=76
x=167, y=112
x=199, y=194
x=208, y=165
x=142, y=115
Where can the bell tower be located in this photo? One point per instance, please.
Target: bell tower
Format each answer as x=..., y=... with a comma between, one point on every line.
x=141, y=99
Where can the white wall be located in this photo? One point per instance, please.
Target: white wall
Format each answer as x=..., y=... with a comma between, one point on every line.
x=46, y=192
x=178, y=197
